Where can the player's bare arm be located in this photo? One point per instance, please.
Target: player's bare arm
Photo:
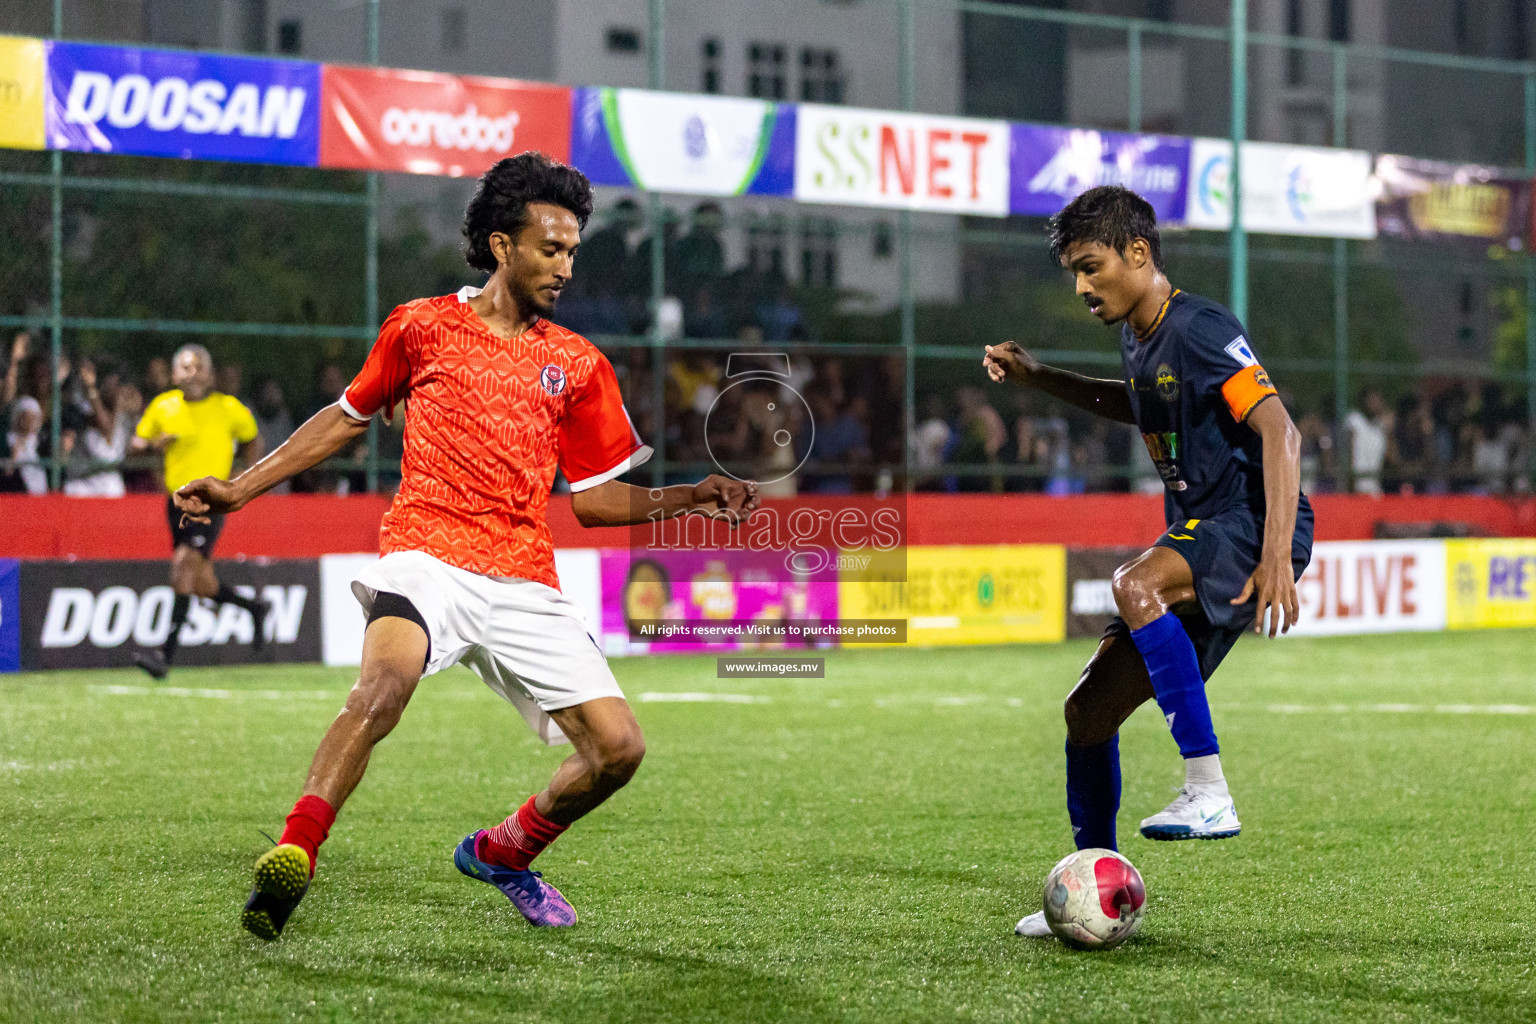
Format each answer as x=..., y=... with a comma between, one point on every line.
x=1011, y=362
x=1273, y=582
x=323, y=435
x=619, y=504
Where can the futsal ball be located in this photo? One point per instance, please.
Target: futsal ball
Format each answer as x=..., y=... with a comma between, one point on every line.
x=1094, y=899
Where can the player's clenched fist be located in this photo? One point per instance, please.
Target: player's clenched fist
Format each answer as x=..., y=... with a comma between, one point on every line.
x=733, y=499
x=1009, y=361
x=207, y=495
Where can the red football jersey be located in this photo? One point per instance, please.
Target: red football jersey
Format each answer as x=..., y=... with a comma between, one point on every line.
x=487, y=420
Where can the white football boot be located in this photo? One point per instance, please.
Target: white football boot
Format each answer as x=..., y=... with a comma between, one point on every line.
x=1034, y=927
x=1199, y=812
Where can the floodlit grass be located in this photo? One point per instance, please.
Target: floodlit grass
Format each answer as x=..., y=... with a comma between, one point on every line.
x=856, y=848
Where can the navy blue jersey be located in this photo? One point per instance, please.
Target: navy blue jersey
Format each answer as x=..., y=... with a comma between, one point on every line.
x=1192, y=381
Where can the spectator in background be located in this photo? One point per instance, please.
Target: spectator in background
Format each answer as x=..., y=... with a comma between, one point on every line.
x=1411, y=447
x=1369, y=427
x=700, y=255
x=23, y=463
x=231, y=379
x=982, y=436
x=130, y=406
x=328, y=389
x=100, y=447
x=21, y=350
x=273, y=420
x=929, y=444
x=1317, y=455
x=157, y=376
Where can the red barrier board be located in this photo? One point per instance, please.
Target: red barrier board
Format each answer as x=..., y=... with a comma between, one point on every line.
x=305, y=526
x=382, y=119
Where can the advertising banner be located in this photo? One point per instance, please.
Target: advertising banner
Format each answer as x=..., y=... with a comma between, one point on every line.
x=1491, y=583
x=1365, y=586
x=1287, y=190
x=197, y=106
x=1049, y=167
x=342, y=621
x=1090, y=588
x=21, y=92
x=10, y=615
x=909, y=161
x=90, y=614
x=985, y=594
x=680, y=586
x=380, y=119
x=679, y=142
x=1467, y=203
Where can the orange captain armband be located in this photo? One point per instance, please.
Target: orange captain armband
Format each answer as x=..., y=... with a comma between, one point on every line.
x=1245, y=389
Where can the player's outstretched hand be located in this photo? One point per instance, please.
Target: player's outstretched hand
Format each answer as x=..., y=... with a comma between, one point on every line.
x=724, y=497
x=206, y=496
x=1009, y=361
x=1275, y=588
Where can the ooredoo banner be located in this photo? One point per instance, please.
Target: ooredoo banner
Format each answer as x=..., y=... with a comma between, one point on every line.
x=679, y=142
x=1492, y=583
x=198, y=106
x=381, y=119
x=1049, y=167
x=985, y=594
x=99, y=614
x=21, y=92
x=1386, y=586
x=911, y=161
x=1287, y=190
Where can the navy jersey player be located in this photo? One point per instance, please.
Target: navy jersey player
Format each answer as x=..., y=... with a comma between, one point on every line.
x=1239, y=529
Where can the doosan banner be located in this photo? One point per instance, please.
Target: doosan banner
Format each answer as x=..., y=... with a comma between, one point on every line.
x=678, y=142
x=197, y=106
x=910, y=161
x=1049, y=167
x=1287, y=190
x=419, y=122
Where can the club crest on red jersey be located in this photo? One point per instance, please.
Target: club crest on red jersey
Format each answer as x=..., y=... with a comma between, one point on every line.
x=553, y=379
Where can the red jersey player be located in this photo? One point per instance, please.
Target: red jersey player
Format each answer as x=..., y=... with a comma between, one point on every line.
x=496, y=397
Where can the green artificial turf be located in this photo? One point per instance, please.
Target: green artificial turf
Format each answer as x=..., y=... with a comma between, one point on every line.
x=855, y=848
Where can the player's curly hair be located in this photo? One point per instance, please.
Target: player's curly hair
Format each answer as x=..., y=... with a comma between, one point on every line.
x=1110, y=214
x=501, y=199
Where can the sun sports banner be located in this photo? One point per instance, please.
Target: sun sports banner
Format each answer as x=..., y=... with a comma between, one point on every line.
x=89, y=614
x=1049, y=167
x=197, y=106
x=380, y=119
x=22, y=81
x=862, y=157
x=1287, y=190
x=680, y=142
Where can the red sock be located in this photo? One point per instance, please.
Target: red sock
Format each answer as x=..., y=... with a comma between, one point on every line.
x=515, y=842
x=308, y=824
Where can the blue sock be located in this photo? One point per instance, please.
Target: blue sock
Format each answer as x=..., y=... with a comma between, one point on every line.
x=1176, y=681
x=1093, y=793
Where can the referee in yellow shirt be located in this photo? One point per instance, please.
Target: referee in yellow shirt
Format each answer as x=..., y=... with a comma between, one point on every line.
x=197, y=429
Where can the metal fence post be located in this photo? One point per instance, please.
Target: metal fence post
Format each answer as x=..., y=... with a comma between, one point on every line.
x=907, y=77
x=1530, y=261
x=371, y=258
x=656, y=78
x=1340, y=253
x=56, y=296
x=1133, y=74
x=1237, y=235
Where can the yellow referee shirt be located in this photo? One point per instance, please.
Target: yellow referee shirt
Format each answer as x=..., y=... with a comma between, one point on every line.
x=206, y=434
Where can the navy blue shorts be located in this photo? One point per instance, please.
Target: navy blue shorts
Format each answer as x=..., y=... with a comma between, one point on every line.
x=1222, y=553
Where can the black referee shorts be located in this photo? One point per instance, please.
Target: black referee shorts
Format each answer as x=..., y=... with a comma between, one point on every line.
x=200, y=537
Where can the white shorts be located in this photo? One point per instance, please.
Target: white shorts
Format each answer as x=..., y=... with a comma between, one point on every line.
x=529, y=642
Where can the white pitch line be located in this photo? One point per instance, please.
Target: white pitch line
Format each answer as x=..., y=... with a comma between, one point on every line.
x=211, y=694
x=1391, y=709
x=653, y=697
